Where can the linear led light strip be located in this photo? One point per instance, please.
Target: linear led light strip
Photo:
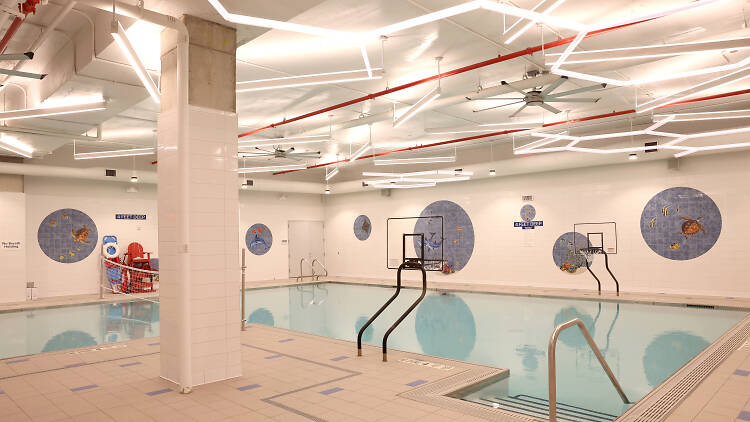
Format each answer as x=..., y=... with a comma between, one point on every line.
x=709, y=115
x=114, y=153
x=563, y=57
x=487, y=127
x=15, y=146
x=266, y=169
x=292, y=140
x=311, y=79
x=330, y=175
x=516, y=23
x=360, y=152
x=118, y=33
x=52, y=111
x=531, y=23
x=394, y=185
x=417, y=107
x=420, y=160
x=419, y=173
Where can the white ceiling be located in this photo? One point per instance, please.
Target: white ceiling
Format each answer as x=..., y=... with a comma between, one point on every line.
x=406, y=56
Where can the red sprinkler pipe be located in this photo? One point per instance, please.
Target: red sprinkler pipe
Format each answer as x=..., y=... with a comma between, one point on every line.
x=12, y=29
x=507, y=132
x=498, y=59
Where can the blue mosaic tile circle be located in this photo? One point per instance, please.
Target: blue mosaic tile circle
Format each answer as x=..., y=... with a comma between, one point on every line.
x=258, y=239
x=459, y=234
x=67, y=236
x=666, y=352
x=362, y=227
x=445, y=326
x=565, y=256
x=528, y=212
x=681, y=223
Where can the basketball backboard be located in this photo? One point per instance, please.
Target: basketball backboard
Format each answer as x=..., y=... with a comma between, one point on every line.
x=399, y=250
x=597, y=235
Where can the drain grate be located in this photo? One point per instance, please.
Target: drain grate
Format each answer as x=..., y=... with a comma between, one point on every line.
x=658, y=404
x=539, y=408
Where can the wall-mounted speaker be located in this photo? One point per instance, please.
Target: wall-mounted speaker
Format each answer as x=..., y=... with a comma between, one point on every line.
x=110, y=173
x=385, y=192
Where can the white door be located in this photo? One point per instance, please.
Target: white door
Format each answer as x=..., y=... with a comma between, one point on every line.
x=305, y=241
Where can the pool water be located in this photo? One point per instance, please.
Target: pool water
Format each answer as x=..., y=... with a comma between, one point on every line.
x=52, y=329
x=643, y=344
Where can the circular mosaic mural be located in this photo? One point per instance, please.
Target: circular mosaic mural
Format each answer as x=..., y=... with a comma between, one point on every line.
x=259, y=239
x=362, y=227
x=528, y=212
x=681, y=223
x=458, y=232
x=67, y=236
x=565, y=256
x=445, y=326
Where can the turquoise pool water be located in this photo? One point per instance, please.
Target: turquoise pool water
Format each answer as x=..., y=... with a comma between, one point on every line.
x=47, y=330
x=643, y=344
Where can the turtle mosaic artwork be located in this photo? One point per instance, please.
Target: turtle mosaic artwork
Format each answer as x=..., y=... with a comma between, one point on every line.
x=458, y=231
x=362, y=227
x=258, y=239
x=566, y=258
x=681, y=223
x=67, y=236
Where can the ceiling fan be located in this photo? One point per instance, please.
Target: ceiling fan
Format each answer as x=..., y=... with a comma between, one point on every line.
x=277, y=152
x=540, y=96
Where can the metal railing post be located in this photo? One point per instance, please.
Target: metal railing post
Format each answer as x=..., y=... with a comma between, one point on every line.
x=552, y=365
x=243, y=290
x=102, y=277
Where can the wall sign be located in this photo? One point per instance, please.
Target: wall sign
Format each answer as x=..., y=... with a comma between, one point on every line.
x=10, y=245
x=528, y=212
x=130, y=216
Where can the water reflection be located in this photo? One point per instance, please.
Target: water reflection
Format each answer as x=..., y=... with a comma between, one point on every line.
x=261, y=316
x=573, y=338
x=445, y=326
x=668, y=352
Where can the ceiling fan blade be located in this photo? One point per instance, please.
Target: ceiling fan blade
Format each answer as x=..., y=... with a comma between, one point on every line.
x=554, y=85
x=501, y=105
x=506, y=84
x=496, y=98
x=578, y=90
x=519, y=110
x=549, y=108
x=571, y=100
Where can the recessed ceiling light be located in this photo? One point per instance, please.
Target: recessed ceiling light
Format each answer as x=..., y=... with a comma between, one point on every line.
x=492, y=172
x=633, y=156
x=134, y=179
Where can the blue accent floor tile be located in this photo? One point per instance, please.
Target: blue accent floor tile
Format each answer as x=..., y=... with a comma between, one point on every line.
x=741, y=373
x=272, y=357
x=2, y=392
x=286, y=340
x=154, y=344
x=85, y=387
x=73, y=365
x=17, y=361
x=744, y=416
x=416, y=383
x=125, y=365
x=248, y=387
x=331, y=391
x=340, y=358
x=157, y=392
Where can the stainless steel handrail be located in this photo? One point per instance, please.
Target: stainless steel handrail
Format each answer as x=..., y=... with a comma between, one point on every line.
x=552, y=365
x=300, y=276
x=317, y=276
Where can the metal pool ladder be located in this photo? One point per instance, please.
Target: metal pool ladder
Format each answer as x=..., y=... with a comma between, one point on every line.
x=312, y=265
x=408, y=264
x=552, y=364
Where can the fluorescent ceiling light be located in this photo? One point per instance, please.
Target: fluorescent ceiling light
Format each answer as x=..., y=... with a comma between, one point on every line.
x=330, y=175
x=395, y=185
x=292, y=140
x=487, y=127
x=114, y=153
x=531, y=23
x=24, y=56
x=266, y=169
x=654, y=51
x=15, y=146
x=312, y=79
x=52, y=111
x=118, y=33
x=419, y=173
x=360, y=152
x=710, y=115
x=417, y=107
x=416, y=160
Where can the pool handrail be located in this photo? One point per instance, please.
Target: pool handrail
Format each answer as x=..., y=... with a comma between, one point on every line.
x=595, y=251
x=312, y=265
x=552, y=364
x=414, y=265
x=300, y=277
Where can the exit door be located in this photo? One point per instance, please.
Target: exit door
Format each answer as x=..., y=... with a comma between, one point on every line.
x=305, y=241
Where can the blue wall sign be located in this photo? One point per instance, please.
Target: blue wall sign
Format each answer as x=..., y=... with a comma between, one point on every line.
x=130, y=216
x=528, y=224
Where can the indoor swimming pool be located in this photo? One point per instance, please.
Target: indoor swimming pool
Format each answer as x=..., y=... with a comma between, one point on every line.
x=643, y=344
x=51, y=329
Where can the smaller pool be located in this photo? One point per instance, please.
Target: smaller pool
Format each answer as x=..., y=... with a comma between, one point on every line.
x=51, y=329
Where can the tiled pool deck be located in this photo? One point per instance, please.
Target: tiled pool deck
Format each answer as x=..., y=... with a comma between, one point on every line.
x=294, y=376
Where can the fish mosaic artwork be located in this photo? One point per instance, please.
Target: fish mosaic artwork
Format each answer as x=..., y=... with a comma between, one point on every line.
x=681, y=223
x=67, y=236
x=457, y=245
x=528, y=212
x=362, y=227
x=566, y=258
x=258, y=239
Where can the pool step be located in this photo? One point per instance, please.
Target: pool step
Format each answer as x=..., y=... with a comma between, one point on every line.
x=539, y=408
